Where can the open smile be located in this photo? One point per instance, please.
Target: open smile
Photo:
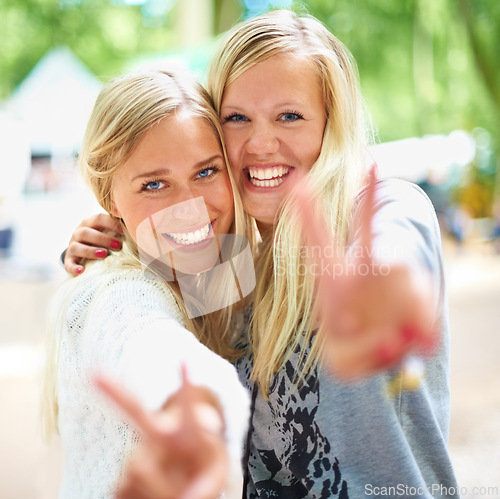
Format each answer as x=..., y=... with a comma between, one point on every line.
x=190, y=238
x=267, y=177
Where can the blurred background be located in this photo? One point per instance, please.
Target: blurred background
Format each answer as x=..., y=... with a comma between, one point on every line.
x=430, y=75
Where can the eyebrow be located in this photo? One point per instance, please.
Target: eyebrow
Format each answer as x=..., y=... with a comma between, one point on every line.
x=285, y=104
x=166, y=171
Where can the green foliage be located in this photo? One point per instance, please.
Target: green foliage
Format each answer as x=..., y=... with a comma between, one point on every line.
x=426, y=66
x=418, y=71
x=102, y=34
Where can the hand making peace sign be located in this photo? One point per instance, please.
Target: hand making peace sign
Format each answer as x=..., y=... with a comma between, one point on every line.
x=373, y=312
x=182, y=453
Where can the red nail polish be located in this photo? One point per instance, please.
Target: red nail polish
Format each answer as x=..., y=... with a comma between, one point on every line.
x=101, y=253
x=115, y=244
x=79, y=270
x=385, y=355
x=408, y=333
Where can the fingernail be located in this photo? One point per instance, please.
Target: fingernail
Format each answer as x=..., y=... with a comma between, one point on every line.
x=115, y=244
x=79, y=270
x=101, y=253
x=408, y=333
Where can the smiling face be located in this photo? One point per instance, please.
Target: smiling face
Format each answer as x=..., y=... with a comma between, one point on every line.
x=273, y=117
x=173, y=192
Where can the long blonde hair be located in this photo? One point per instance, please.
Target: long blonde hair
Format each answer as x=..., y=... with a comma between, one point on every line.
x=124, y=111
x=284, y=307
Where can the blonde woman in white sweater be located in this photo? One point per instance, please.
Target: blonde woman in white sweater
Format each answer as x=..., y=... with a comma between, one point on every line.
x=152, y=146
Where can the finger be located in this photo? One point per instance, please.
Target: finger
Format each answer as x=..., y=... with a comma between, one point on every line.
x=77, y=252
x=146, y=488
x=313, y=228
x=186, y=396
x=331, y=282
x=423, y=334
x=213, y=476
x=94, y=237
x=144, y=478
x=375, y=348
x=325, y=254
x=189, y=425
x=367, y=213
x=102, y=222
x=131, y=488
x=73, y=265
x=348, y=361
x=210, y=483
x=359, y=359
x=74, y=269
x=419, y=321
x=142, y=420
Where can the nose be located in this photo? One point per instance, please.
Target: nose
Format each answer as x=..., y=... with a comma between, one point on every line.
x=187, y=209
x=262, y=140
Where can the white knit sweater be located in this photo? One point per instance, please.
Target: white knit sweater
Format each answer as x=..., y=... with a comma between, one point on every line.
x=127, y=326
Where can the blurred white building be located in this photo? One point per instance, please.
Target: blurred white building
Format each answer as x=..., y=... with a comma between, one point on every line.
x=15, y=162
x=54, y=103
x=45, y=117
x=432, y=157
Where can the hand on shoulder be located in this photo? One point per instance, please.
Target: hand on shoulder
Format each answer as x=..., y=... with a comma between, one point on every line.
x=94, y=237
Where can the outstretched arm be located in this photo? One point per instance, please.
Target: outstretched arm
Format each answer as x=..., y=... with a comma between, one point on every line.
x=91, y=240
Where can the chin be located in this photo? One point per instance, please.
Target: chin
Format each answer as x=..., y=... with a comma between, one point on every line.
x=262, y=216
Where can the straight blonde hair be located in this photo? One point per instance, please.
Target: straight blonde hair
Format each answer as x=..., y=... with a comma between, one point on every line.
x=284, y=316
x=124, y=111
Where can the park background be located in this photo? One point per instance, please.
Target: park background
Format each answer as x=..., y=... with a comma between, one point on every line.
x=430, y=75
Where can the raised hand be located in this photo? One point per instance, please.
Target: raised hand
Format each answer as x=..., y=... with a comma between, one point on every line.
x=91, y=240
x=373, y=313
x=182, y=453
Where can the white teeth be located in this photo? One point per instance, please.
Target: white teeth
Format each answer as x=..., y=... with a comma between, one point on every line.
x=269, y=177
x=187, y=238
x=266, y=183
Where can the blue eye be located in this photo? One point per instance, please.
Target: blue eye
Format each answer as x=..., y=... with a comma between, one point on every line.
x=153, y=185
x=205, y=173
x=208, y=172
x=235, y=117
x=291, y=116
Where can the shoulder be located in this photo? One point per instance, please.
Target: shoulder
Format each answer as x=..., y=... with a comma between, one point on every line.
x=123, y=292
x=402, y=190
x=400, y=201
x=118, y=314
x=394, y=190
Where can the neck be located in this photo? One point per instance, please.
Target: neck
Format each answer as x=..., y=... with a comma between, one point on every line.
x=265, y=229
